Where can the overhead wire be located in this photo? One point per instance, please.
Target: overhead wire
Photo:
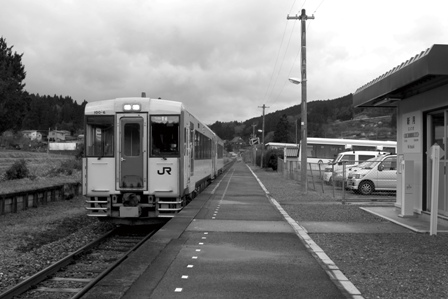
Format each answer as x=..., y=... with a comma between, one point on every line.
x=278, y=54
x=275, y=64
x=283, y=60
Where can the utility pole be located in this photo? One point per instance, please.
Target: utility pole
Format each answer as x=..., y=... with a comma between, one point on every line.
x=254, y=153
x=303, y=17
x=262, y=136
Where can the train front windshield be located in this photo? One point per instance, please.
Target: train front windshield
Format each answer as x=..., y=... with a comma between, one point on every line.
x=165, y=136
x=100, y=136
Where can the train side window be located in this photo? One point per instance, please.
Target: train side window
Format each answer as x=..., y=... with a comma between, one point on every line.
x=164, y=135
x=100, y=136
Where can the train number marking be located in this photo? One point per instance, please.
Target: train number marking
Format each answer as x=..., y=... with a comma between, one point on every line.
x=164, y=169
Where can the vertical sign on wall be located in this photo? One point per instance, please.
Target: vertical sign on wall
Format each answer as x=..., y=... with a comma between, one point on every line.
x=412, y=136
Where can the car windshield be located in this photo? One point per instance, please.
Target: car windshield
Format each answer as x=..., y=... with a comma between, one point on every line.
x=334, y=161
x=369, y=164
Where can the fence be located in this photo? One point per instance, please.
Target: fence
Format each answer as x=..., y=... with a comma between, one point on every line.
x=346, y=181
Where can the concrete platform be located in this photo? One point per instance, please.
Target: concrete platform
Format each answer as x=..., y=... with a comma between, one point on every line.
x=418, y=223
x=230, y=242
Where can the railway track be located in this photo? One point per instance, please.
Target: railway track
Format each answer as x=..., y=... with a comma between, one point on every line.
x=74, y=275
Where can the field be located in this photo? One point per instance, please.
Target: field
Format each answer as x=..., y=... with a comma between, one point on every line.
x=45, y=170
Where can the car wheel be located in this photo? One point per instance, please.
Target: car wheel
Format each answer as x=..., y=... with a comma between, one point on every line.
x=365, y=188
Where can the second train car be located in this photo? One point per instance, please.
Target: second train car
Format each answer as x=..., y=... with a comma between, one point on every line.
x=145, y=159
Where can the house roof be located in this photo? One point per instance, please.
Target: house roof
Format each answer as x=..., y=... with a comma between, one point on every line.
x=423, y=72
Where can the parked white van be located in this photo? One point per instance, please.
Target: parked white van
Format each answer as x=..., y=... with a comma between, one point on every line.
x=380, y=176
x=348, y=158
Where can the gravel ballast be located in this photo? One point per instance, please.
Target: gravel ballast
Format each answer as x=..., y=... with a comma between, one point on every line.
x=32, y=240
x=380, y=265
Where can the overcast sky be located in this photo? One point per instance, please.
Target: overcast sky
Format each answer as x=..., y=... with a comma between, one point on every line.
x=222, y=58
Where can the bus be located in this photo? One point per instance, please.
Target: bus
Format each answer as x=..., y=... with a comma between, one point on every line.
x=324, y=150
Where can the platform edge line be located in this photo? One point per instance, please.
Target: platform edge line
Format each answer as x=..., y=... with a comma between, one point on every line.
x=340, y=280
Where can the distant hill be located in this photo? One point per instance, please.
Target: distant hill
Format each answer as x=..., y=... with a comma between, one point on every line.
x=329, y=118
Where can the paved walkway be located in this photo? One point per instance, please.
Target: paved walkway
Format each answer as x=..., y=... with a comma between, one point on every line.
x=418, y=223
x=232, y=241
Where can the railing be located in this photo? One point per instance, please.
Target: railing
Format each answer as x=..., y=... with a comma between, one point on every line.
x=19, y=201
x=339, y=181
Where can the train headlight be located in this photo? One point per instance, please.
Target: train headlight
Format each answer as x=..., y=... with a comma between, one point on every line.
x=131, y=107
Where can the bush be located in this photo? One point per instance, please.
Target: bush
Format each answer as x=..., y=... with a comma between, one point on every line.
x=18, y=170
x=79, y=153
x=271, y=158
x=66, y=167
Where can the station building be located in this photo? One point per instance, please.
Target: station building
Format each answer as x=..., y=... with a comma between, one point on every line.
x=418, y=88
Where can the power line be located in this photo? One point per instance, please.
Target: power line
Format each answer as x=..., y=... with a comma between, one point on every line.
x=318, y=6
x=271, y=82
x=283, y=60
x=275, y=64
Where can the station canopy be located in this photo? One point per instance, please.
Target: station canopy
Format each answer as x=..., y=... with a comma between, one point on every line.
x=425, y=71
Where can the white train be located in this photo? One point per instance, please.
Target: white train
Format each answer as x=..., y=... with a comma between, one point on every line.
x=145, y=159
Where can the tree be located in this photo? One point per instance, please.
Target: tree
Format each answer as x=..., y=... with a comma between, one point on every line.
x=12, y=73
x=281, y=133
x=32, y=118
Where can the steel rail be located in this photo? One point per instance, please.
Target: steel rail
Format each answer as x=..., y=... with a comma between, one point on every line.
x=92, y=283
x=43, y=274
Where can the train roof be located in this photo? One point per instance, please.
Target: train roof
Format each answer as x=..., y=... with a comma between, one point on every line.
x=147, y=104
x=156, y=106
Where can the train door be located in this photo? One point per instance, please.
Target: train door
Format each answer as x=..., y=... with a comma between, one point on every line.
x=132, y=158
x=186, y=157
x=214, y=151
x=191, y=144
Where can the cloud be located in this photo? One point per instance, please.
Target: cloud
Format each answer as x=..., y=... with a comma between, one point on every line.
x=221, y=58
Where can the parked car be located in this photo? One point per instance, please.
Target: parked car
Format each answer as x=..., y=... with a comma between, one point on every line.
x=339, y=174
x=349, y=159
x=381, y=175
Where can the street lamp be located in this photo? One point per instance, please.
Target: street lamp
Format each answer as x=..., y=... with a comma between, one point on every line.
x=295, y=80
x=303, y=161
